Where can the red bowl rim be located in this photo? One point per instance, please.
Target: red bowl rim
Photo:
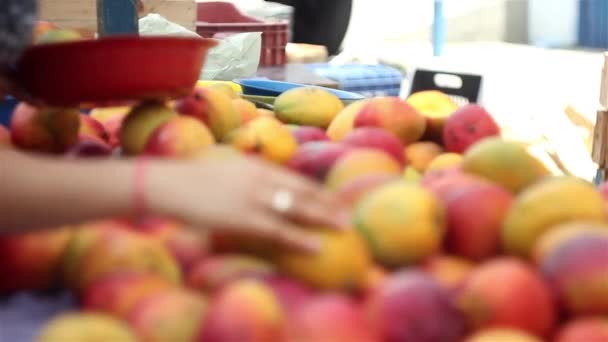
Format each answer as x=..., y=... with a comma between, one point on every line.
x=103, y=41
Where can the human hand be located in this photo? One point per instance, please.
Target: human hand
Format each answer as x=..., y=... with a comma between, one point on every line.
x=244, y=196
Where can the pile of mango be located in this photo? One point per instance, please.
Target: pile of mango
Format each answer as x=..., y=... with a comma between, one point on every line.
x=457, y=234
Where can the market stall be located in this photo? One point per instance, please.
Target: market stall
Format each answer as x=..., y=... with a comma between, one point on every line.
x=465, y=221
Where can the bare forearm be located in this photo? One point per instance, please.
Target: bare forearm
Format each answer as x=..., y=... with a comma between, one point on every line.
x=40, y=192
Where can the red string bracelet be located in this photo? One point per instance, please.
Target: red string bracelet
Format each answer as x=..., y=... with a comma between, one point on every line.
x=140, y=203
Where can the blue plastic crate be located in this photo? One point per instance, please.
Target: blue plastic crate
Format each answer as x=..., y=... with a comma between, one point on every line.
x=593, y=24
x=6, y=109
x=365, y=79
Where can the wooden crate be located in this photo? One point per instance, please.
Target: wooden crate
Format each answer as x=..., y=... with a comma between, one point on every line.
x=82, y=14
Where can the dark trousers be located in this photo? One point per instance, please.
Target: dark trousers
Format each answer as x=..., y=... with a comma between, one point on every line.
x=320, y=22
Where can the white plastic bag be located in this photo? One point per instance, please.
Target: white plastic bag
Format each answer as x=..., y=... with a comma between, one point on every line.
x=235, y=56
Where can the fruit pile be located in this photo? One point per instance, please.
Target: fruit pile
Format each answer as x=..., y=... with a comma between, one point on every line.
x=458, y=234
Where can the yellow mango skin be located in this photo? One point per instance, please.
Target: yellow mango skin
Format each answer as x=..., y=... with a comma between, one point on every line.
x=140, y=123
x=342, y=262
x=307, y=106
x=362, y=162
x=84, y=327
x=402, y=223
x=502, y=335
x=444, y=161
x=546, y=205
x=265, y=136
x=343, y=122
x=505, y=163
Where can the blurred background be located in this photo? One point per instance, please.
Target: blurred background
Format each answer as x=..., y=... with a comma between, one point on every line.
x=541, y=60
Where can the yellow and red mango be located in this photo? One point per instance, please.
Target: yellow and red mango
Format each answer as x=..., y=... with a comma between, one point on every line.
x=572, y=199
x=475, y=213
x=352, y=192
x=246, y=108
x=466, y=126
x=58, y=35
x=344, y=121
x=449, y=271
x=117, y=294
x=90, y=127
x=213, y=107
x=420, y=154
x=41, y=27
x=49, y=130
x=559, y=234
x=314, y=159
x=179, y=137
x=401, y=222
x=212, y=273
x=577, y=268
x=244, y=311
x=264, y=136
x=411, y=306
x=506, y=292
x=505, y=163
x=436, y=108
x=341, y=263
x=376, y=138
x=32, y=261
x=111, y=118
x=309, y=106
x=304, y=134
x=140, y=124
x=394, y=115
x=98, y=253
x=85, y=326
x=329, y=317
x=172, y=315
x=290, y=293
x=446, y=160
x=186, y=245
x=358, y=163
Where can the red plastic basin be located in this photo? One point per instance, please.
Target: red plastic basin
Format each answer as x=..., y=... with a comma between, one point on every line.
x=113, y=69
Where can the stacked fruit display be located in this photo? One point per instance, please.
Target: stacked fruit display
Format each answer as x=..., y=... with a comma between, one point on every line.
x=458, y=235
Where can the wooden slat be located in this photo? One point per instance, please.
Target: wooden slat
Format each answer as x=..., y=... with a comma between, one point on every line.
x=600, y=139
x=51, y=10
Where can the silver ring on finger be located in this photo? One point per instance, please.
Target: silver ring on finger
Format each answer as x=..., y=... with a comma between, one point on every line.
x=282, y=201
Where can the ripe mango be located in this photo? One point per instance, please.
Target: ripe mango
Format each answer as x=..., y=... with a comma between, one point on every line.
x=308, y=106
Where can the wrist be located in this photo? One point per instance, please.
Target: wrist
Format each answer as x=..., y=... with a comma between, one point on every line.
x=153, y=193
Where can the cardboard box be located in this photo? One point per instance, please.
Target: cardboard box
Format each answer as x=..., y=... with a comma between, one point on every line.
x=82, y=14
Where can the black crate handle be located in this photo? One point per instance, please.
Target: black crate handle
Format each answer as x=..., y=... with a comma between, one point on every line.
x=470, y=85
